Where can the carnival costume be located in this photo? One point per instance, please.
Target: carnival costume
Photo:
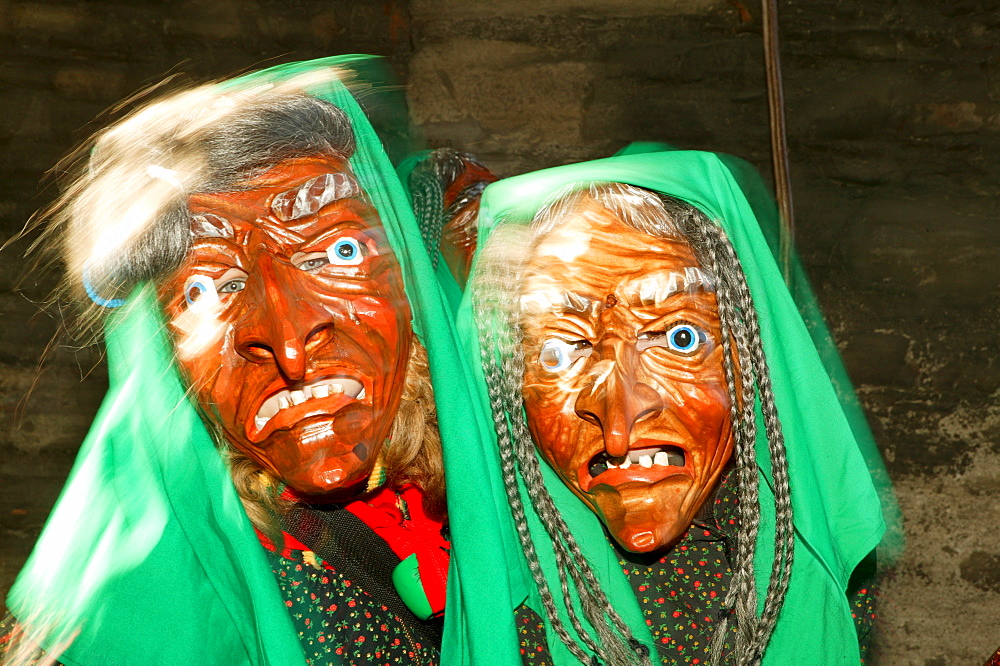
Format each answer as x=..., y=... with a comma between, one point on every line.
x=837, y=520
x=148, y=556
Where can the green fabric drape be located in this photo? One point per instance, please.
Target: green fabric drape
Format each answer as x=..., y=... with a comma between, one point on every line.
x=766, y=211
x=837, y=515
x=148, y=556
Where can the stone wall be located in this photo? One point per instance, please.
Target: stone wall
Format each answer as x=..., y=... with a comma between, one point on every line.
x=894, y=121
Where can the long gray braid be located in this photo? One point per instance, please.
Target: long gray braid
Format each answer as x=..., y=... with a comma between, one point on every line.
x=503, y=362
x=429, y=181
x=738, y=319
x=503, y=365
x=491, y=350
x=427, y=197
x=723, y=254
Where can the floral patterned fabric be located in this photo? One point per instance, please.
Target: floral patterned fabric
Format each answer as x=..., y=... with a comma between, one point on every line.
x=346, y=609
x=681, y=593
x=338, y=621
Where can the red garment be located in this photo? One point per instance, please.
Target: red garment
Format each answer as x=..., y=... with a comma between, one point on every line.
x=406, y=534
x=383, y=511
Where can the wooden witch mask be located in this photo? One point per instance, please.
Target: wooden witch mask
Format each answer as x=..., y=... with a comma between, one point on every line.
x=291, y=323
x=624, y=385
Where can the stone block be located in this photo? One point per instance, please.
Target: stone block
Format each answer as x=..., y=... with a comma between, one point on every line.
x=430, y=10
x=949, y=117
x=982, y=569
x=517, y=95
x=880, y=358
x=48, y=18
x=925, y=247
x=93, y=84
x=947, y=575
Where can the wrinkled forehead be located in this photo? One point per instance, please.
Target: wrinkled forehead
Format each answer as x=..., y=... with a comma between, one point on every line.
x=285, y=196
x=576, y=265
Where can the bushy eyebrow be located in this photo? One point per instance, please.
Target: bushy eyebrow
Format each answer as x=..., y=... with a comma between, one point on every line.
x=209, y=225
x=556, y=300
x=654, y=289
x=312, y=195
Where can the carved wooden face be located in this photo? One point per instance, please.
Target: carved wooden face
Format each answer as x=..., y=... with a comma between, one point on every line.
x=291, y=324
x=624, y=386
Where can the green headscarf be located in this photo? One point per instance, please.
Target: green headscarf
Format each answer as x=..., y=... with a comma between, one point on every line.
x=837, y=517
x=766, y=211
x=148, y=556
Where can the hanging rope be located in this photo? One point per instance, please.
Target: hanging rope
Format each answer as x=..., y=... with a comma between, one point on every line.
x=779, y=143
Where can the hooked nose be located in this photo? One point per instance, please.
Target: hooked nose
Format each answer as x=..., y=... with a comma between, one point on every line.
x=615, y=404
x=280, y=325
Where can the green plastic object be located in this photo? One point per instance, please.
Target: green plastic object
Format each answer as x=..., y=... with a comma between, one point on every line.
x=148, y=557
x=838, y=520
x=406, y=580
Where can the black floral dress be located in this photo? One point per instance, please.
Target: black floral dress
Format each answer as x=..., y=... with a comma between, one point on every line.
x=681, y=593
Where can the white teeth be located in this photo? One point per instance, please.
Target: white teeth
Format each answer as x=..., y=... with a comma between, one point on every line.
x=647, y=457
x=323, y=388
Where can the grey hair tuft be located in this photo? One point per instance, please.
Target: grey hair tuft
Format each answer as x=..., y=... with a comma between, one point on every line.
x=123, y=218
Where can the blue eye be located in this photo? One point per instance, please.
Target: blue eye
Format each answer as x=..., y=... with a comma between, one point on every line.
x=345, y=252
x=684, y=339
x=681, y=338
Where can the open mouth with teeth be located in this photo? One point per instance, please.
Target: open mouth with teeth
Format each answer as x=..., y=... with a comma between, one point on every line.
x=649, y=464
x=289, y=406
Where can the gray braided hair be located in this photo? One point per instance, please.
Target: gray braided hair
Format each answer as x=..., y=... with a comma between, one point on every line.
x=427, y=197
x=501, y=268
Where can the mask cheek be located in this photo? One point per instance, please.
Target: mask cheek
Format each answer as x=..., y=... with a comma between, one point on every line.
x=198, y=332
x=380, y=318
x=556, y=437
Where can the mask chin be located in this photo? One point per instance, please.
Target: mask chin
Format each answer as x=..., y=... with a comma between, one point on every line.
x=645, y=531
x=646, y=540
x=333, y=483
